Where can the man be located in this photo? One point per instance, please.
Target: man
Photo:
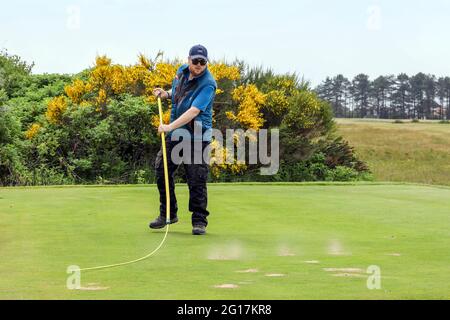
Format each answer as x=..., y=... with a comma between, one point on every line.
x=192, y=95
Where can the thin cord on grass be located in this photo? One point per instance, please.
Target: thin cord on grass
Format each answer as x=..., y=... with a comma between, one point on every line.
x=132, y=261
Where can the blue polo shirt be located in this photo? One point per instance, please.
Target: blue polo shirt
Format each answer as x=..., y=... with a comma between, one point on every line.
x=199, y=92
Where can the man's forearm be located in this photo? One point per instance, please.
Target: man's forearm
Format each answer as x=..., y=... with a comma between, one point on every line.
x=186, y=117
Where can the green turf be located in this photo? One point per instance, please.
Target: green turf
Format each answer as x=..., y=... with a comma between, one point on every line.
x=44, y=230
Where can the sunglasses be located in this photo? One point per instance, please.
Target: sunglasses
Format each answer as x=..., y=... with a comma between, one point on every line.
x=199, y=60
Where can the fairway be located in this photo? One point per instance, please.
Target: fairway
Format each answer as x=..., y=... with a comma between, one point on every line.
x=287, y=241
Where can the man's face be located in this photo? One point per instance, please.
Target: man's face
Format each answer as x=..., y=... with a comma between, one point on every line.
x=196, y=69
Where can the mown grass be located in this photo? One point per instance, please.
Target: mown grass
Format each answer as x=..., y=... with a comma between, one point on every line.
x=270, y=229
x=410, y=152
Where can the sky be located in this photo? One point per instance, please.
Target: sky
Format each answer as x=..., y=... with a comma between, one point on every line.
x=314, y=38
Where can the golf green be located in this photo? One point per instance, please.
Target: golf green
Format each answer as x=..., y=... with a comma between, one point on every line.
x=264, y=241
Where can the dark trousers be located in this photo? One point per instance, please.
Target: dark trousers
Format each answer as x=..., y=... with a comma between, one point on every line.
x=196, y=176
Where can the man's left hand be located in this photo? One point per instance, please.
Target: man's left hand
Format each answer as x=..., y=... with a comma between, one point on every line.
x=164, y=128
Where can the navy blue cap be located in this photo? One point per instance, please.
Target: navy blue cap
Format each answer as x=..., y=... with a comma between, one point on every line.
x=198, y=51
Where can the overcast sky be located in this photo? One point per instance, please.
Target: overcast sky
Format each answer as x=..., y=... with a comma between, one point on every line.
x=315, y=38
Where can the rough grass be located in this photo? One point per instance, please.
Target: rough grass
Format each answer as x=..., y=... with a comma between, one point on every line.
x=411, y=152
x=295, y=241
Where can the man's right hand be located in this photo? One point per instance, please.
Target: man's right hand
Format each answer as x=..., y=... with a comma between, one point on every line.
x=160, y=92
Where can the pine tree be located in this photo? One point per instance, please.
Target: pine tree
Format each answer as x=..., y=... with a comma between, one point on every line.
x=339, y=87
x=381, y=94
x=430, y=96
x=417, y=84
x=360, y=90
x=401, y=97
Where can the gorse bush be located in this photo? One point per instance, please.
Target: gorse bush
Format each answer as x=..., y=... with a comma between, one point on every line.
x=100, y=126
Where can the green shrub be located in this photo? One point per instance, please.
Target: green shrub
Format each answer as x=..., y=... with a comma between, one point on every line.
x=12, y=165
x=338, y=152
x=44, y=175
x=341, y=173
x=14, y=74
x=308, y=116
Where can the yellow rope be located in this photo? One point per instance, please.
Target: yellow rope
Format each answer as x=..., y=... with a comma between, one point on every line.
x=132, y=261
x=166, y=173
x=166, y=179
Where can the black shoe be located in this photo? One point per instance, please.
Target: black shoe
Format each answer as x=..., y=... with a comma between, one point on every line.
x=160, y=222
x=199, y=230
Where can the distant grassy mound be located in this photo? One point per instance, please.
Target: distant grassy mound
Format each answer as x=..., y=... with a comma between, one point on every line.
x=407, y=151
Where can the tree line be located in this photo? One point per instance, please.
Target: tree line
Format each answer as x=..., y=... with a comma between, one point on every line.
x=422, y=96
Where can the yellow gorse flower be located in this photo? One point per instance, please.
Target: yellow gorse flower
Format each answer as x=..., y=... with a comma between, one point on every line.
x=102, y=61
x=224, y=71
x=311, y=107
x=76, y=91
x=155, y=118
x=102, y=97
x=32, y=131
x=277, y=102
x=107, y=79
x=161, y=77
x=218, y=160
x=250, y=101
x=55, y=109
